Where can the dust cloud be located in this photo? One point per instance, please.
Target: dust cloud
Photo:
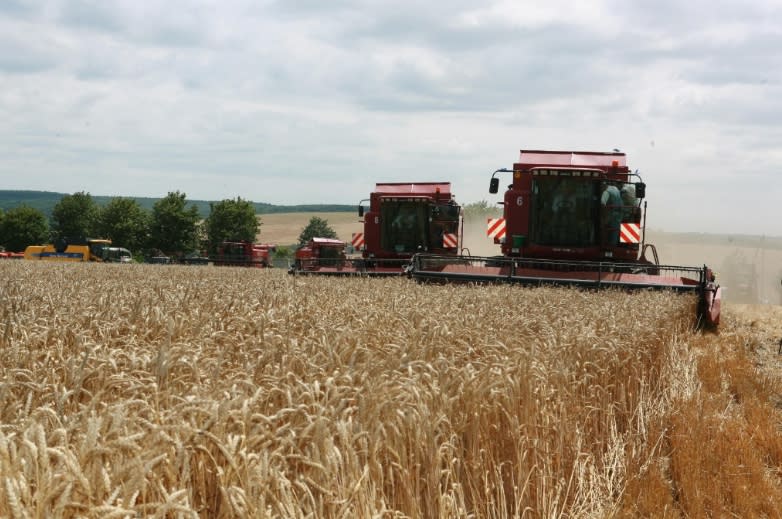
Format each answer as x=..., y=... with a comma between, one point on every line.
x=475, y=240
x=749, y=268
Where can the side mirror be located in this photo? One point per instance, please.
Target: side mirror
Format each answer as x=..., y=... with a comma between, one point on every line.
x=640, y=190
x=494, y=185
x=360, y=211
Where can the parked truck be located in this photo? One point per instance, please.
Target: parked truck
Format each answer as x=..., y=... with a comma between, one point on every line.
x=78, y=249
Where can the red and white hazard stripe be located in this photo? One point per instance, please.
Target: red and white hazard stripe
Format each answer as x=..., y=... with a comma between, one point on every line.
x=496, y=228
x=450, y=240
x=630, y=233
x=358, y=240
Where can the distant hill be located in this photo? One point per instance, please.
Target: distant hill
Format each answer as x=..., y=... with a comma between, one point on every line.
x=45, y=201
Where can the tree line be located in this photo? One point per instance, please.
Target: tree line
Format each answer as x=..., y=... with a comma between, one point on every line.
x=172, y=227
x=46, y=200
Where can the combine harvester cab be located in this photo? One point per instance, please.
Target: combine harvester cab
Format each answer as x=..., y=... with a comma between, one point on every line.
x=573, y=218
x=402, y=219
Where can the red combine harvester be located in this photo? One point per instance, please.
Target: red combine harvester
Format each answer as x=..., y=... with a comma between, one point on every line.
x=325, y=256
x=403, y=219
x=573, y=218
x=243, y=254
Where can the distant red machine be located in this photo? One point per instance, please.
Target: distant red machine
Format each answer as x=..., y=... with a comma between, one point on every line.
x=573, y=218
x=322, y=256
x=243, y=254
x=402, y=219
x=11, y=255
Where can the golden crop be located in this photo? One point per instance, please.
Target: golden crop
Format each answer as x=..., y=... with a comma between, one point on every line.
x=144, y=390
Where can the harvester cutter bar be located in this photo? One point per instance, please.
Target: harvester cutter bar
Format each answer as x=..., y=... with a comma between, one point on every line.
x=527, y=271
x=349, y=267
x=220, y=262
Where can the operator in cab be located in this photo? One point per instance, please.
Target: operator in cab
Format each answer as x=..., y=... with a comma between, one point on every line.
x=611, y=213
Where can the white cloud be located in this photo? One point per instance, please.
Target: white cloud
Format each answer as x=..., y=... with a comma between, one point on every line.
x=309, y=102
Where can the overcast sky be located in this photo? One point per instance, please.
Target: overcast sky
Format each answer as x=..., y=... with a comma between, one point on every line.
x=313, y=101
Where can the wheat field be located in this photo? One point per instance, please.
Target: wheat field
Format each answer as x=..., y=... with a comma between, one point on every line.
x=173, y=391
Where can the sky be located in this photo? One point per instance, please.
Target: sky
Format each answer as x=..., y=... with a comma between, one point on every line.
x=311, y=101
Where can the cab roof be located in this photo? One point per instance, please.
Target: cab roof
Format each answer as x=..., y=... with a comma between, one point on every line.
x=327, y=241
x=413, y=188
x=578, y=159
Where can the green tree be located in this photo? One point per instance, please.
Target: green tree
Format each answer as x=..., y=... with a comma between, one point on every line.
x=282, y=253
x=317, y=228
x=124, y=222
x=232, y=220
x=74, y=216
x=174, y=227
x=480, y=209
x=23, y=226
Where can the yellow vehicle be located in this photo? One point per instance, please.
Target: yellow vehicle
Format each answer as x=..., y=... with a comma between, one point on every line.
x=81, y=250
